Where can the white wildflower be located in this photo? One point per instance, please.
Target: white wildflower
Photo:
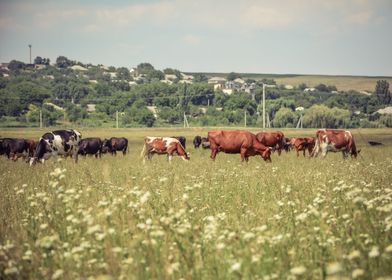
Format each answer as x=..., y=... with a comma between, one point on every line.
x=354, y=254
x=374, y=252
x=57, y=274
x=298, y=270
x=357, y=273
x=145, y=197
x=236, y=266
x=334, y=268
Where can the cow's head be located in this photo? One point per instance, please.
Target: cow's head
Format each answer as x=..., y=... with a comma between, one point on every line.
x=105, y=145
x=266, y=154
x=44, y=146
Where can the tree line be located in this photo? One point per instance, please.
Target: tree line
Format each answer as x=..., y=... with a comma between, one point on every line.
x=62, y=94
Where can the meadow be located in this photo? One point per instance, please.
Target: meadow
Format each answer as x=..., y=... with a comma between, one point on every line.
x=115, y=218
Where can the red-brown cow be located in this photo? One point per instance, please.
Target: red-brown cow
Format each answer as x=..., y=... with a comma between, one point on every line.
x=237, y=142
x=274, y=140
x=303, y=144
x=333, y=140
x=163, y=145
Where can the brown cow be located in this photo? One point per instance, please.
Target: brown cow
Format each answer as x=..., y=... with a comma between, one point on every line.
x=303, y=144
x=163, y=145
x=237, y=142
x=274, y=140
x=334, y=140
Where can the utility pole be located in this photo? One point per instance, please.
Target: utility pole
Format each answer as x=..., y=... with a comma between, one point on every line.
x=116, y=119
x=264, y=86
x=40, y=118
x=263, y=106
x=245, y=117
x=186, y=124
x=30, y=52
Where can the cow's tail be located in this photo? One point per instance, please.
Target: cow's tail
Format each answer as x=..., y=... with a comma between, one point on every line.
x=352, y=146
x=144, y=150
x=317, y=147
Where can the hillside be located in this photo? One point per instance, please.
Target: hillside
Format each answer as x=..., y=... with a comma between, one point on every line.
x=342, y=83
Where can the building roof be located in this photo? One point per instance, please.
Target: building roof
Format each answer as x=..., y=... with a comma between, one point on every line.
x=385, y=111
x=78, y=68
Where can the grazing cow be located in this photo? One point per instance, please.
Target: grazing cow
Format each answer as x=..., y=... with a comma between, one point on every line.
x=115, y=144
x=163, y=145
x=203, y=141
x=32, y=145
x=58, y=142
x=333, y=140
x=182, y=140
x=197, y=141
x=237, y=142
x=274, y=140
x=90, y=146
x=287, y=145
x=14, y=148
x=303, y=144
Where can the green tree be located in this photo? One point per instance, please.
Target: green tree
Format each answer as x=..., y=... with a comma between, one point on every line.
x=200, y=78
x=63, y=62
x=232, y=76
x=123, y=74
x=144, y=68
x=16, y=66
x=382, y=92
x=285, y=117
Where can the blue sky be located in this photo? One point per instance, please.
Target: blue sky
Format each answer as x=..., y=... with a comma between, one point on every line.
x=333, y=37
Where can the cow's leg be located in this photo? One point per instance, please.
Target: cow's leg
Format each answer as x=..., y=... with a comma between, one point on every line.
x=297, y=152
x=169, y=157
x=214, y=151
x=243, y=154
x=304, y=150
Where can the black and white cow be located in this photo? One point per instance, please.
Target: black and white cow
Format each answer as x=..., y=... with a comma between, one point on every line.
x=58, y=142
x=90, y=146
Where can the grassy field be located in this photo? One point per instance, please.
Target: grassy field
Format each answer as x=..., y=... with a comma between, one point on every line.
x=115, y=218
x=345, y=83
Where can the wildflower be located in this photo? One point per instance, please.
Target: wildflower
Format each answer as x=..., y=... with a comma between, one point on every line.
x=357, y=273
x=220, y=246
x=236, y=266
x=354, y=254
x=334, y=268
x=57, y=274
x=248, y=236
x=11, y=270
x=374, y=252
x=298, y=270
x=145, y=197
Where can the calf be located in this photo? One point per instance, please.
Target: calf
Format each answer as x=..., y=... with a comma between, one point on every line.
x=163, y=145
x=303, y=144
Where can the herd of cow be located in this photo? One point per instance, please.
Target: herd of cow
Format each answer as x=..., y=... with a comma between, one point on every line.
x=245, y=143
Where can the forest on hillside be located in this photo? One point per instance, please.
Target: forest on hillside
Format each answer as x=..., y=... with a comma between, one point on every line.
x=72, y=93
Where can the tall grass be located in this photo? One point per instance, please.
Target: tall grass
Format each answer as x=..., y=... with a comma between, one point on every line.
x=115, y=217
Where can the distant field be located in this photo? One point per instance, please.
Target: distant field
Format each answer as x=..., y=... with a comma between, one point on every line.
x=115, y=218
x=359, y=83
